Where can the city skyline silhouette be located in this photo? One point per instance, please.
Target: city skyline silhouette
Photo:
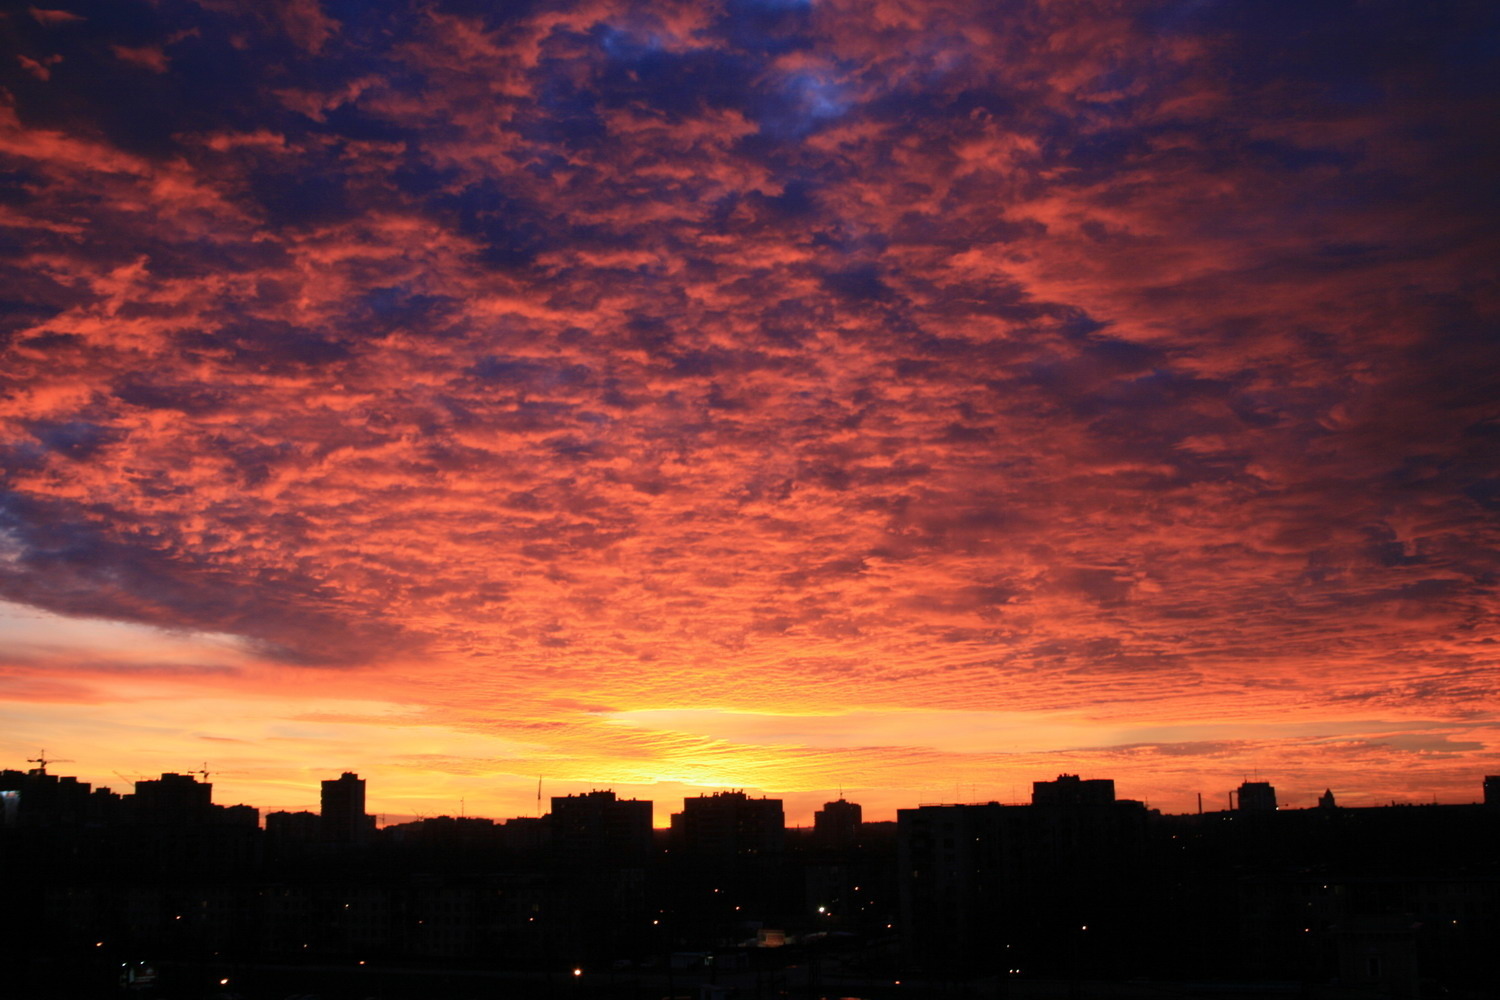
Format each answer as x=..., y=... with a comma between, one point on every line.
x=1265, y=797
x=163, y=892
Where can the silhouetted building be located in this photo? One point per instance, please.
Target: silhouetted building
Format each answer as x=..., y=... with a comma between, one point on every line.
x=1069, y=790
x=599, y=848
x=728, y=823
x=238, y=815
x=344, y=819
x=1379, y=954
x=956, y=863
x=523, y=834
x=1325, y=801
x=35, y=798
x=294, y=827
x=837, y=823
x=174, y=800
x=447, y=833
x=1020, y=883
x=1257, y=796
x=1492, y=790
x=175, y=827
x=597, y=828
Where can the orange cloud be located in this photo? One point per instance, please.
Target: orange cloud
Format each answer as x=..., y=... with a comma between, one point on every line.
x=781, y=395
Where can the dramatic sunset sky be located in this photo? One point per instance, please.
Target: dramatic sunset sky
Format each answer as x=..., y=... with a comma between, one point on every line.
x=918, y=398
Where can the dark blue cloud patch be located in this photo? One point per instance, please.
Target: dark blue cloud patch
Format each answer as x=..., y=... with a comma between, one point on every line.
x=531, y=375
x=67, y=561
x=858, y=284
x=349, y=121
x=175, y=257
x=1470, y=60
x=412, y=175
x=210, y=83
x=1164, y=398
x=188, y=398
x=266, y=346
x=797, y=200
x=18, y=187
x=387, y=310
x=1283, y=156
x=1485, y=492
x=511, y=229
x=365, y=27
x=979, y=524
x=948, y=114
x=767, y=27
x=789, y=322
x=294, y=198
x=789, y=107
x=638, y=70
x=77, y=440
x=653, y=334
x=254, y=462
x=1255, y=410
x=20, y=315
x=1097, y=155
x=992, y=228
x=47, y=342
x=564, y=109
x=1342, y=52
x=488, y=14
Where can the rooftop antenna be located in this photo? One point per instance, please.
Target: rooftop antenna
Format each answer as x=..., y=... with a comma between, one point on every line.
x=41, y=760
x=539, y=796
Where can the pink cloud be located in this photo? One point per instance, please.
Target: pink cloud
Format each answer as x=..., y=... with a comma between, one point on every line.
x=855, y=358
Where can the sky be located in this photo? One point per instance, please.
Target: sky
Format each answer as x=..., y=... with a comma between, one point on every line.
x=903, y=400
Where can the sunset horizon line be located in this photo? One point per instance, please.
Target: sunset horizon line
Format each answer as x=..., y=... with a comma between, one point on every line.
x=1222, y=801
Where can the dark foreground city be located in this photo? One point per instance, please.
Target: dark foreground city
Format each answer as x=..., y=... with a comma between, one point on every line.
x=162, y=893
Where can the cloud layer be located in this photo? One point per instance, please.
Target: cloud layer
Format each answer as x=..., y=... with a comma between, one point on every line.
x=1093, y=365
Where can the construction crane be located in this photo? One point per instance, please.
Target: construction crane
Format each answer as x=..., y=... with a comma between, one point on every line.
x=41, y=760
